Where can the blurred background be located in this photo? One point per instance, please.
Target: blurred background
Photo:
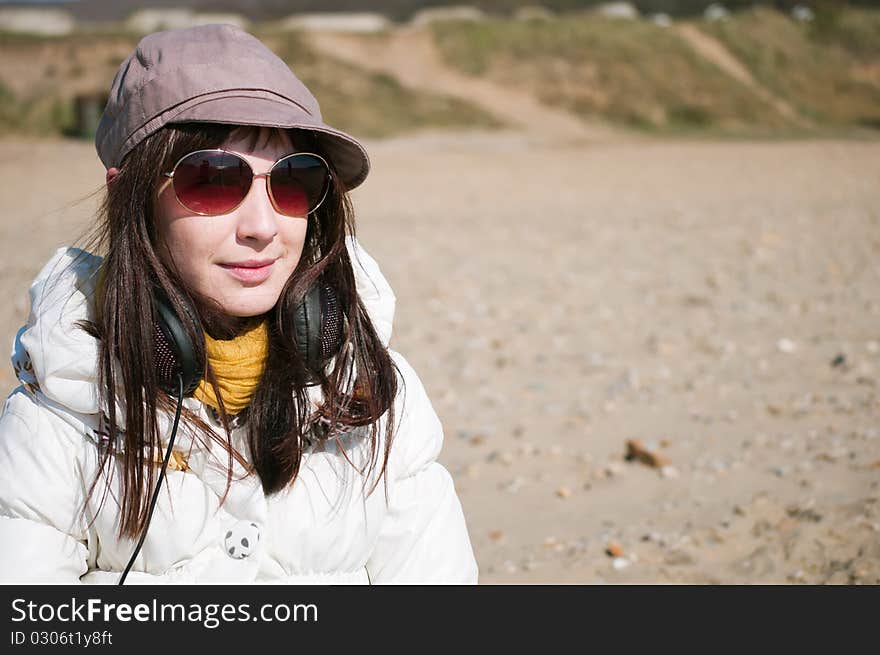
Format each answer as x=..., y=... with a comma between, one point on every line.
x=660, y=66
x=634, y=246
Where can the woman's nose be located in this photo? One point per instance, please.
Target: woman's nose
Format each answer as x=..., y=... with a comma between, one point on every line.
x=257, y=218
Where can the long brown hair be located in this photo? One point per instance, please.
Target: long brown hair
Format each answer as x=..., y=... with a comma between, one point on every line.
x=357, y=389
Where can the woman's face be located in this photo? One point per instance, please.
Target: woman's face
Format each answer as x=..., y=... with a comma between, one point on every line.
x=244, y=258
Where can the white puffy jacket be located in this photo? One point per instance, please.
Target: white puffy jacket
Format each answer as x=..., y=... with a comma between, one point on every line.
x=322, y=529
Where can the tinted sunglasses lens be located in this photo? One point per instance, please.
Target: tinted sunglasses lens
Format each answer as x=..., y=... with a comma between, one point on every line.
x=211, y=182
x=298, y=184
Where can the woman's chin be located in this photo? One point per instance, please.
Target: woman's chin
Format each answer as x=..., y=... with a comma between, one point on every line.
x=243, y=307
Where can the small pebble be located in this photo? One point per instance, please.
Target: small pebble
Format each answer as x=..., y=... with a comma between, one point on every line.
x=614, y=549
x=645, y=453
x=774, y=410
x=620, y=563
x=786, y=345
x=503, y=457
x=669, y=472
x=513, y=486
x=563, y=492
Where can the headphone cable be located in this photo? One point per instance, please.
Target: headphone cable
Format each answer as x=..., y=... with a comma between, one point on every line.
x=159, y=483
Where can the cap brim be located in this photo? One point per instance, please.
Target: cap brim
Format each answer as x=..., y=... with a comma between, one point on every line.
x=346, y=154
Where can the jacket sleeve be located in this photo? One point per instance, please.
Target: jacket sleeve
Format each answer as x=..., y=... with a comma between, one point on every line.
x=423, y=538
x=42, y=538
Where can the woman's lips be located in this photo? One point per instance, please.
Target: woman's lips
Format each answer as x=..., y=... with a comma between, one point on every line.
x=253, y=272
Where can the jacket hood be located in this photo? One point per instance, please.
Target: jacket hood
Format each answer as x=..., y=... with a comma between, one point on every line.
x=53, y=356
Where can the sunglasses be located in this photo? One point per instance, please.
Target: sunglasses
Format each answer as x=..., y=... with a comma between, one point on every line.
x=215, y=182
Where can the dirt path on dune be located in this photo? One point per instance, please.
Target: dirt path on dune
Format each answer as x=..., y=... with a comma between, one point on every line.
x=713, y=50
x=409, y=55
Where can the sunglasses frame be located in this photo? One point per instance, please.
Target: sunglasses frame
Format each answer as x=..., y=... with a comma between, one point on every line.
x=267, y=175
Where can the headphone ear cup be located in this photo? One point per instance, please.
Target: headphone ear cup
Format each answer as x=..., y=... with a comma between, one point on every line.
x=318, y=326
x=175, y=353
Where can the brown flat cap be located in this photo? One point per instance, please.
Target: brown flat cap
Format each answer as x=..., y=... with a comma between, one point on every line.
x=214, y=74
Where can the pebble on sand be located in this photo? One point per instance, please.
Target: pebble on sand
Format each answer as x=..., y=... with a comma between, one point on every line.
x=669, y=472
x=774, y=410
x=785, y=345
x=514, y=485
x=563, y=492
x=472, y=471
x=635, y=450
x=614, y=549
x=554, y=544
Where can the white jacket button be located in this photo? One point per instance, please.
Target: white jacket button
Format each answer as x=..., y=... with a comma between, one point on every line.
x=241, y=539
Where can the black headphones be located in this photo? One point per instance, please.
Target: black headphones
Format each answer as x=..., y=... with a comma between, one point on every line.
x=316, y=325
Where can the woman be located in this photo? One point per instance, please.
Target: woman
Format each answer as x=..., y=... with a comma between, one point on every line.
x=213, y=399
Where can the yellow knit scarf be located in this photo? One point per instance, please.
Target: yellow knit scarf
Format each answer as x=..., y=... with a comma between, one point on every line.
x=238, y=365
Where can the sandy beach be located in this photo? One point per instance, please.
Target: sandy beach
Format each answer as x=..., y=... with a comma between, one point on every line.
x=717, y=302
